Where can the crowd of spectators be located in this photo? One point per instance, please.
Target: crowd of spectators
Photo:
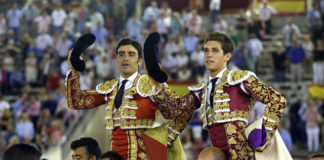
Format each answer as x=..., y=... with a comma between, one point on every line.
x=35, y=39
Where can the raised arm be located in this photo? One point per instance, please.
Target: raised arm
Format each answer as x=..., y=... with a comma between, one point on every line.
x=275, y=102
x=77, y=99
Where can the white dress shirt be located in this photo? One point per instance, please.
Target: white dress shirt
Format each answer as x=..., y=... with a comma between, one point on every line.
x=130, y=81
x=209, y=85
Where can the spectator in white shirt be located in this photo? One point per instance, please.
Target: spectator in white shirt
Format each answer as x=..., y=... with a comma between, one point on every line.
x=195, y=23
x=197, y=60
x=58, y=17
x=291, y=33
x=104, y=69
x=44, y=40
x=190, y=43
x=266, y=11
x=184, y=74
x=63, y=47
x=3, y=26
x=64, y=68
x=162, y=29
x=95, y=18
x=220, y=25
x=3, y=105
x=255, y=47
x=182, y=59
x=186, y=15
x=25, y=128
x=151, y=10
x=214, y=7
x=169, y=63
x=134, y=26
x=70, y=20
x=31, y=68
x=86, y=80
x=173, y=45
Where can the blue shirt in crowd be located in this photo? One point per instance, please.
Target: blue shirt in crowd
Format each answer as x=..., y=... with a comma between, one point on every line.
x=297, y=54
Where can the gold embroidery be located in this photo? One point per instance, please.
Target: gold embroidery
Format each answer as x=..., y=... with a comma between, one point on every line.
x=197, y=87
x=130, y=123
x=237, y=143
x=107, y=86
x=267, y=95
x=132, y=145
x=68, y=93
x=145, y=86
x=144, y=156
x=236, y=77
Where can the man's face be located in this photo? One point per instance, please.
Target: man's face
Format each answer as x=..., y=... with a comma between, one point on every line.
x=128, y=60
x=80, y=153
x=214, y=57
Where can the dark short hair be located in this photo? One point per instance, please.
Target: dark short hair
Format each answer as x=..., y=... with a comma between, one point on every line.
x=90, y=144
x=223, y=39
x=128, y=41
x=22, y=151
x=112, y=155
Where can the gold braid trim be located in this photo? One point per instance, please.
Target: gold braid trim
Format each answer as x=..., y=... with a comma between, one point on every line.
x=145, y=86
x=107, y=87
x=197, y=87
x=238, y=76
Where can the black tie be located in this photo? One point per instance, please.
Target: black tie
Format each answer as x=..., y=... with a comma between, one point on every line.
x=211, y=97
x=120, y=94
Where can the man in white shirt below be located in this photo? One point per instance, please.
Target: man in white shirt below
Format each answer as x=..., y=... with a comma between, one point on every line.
x=266, y=11
x=214, y=7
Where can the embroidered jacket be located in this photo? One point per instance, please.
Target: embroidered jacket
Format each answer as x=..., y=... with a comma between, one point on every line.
x=136, y=115
x=234, y=97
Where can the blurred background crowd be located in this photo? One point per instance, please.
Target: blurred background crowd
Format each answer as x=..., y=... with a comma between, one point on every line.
x=36, y=37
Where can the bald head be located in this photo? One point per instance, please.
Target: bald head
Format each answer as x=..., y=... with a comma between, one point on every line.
x=212, y=153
